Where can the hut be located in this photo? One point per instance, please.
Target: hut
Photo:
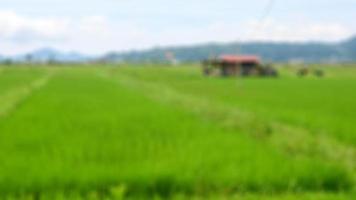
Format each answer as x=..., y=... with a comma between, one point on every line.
x=236, y=65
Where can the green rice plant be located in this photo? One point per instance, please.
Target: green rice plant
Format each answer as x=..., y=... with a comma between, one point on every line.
x=16, y=77
x=324, y=106
x=86, y=135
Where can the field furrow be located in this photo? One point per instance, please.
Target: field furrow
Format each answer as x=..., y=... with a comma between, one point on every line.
x=18, y=77
x=125, y=133
x=291, y=139
x=323, y=106
x=15, y=95
x=84, y=134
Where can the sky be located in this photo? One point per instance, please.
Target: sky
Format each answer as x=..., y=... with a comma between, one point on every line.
x=98, y=26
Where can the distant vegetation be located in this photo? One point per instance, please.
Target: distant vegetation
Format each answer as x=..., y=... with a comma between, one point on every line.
x=271, y=52
x=312, y=52
x=157, y=133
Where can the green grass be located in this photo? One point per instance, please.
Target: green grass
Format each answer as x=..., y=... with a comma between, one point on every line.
x=109, y=133
x=322, y=105
x=18, y=77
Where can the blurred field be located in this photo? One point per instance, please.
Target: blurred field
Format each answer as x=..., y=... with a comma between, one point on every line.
x=168, y=132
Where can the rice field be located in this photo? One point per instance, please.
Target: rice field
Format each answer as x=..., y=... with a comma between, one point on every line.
x=155, y=132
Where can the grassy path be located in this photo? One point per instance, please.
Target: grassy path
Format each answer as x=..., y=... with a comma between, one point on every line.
x=291, y=139
x=12, y=97
x=85, y=136
x=323, y=106
x=17, y=77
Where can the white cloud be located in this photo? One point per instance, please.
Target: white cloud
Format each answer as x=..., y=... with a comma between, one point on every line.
x=19, y=33
x=15, y=27
x=299, y=30
x=98, y=34
x=95, y=25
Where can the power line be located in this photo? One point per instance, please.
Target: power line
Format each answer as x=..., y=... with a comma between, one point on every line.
x=268, y=8
x=265, y=14
x=261, y=20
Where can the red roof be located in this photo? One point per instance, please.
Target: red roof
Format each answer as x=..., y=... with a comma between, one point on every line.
x=240, y=59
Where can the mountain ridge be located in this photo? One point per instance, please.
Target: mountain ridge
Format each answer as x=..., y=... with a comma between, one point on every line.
x=343, y=51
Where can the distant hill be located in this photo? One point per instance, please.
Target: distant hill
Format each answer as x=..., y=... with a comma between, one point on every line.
x=350, y=47
x=48, y=54
x=344, y=51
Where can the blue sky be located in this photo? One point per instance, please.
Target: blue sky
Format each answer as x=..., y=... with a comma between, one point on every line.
x=98, y=26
